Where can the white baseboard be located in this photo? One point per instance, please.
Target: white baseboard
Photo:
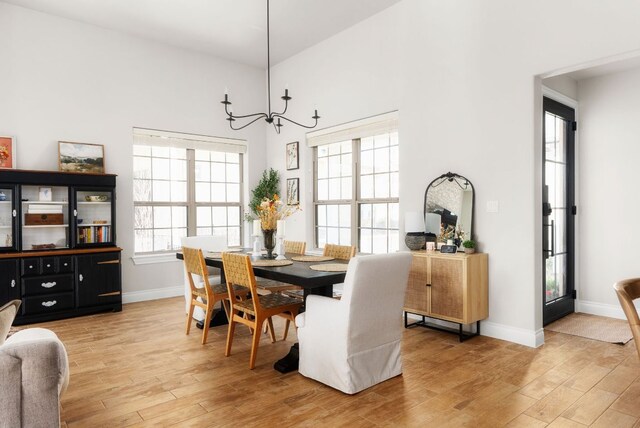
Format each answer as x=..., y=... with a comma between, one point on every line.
x=602, y=309
x=520, y=336
x=152, y=294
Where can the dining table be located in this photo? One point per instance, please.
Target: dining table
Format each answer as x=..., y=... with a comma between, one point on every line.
x=298, y=273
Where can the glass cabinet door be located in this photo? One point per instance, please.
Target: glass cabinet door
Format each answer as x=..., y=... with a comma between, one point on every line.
x=7, y=218
x=93, y=217
x=45, y=217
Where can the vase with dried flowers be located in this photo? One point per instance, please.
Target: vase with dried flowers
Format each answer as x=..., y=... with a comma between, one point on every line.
x=269, y=212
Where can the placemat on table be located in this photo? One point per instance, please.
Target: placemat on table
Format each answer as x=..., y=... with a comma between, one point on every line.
x=330, y=267
x=270, y=263
x=312, y=258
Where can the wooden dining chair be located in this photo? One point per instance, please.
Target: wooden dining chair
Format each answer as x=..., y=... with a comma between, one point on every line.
x=239, y=272
x=628, y=290
x=205, y=297
x=340, y=252
x=290, y=247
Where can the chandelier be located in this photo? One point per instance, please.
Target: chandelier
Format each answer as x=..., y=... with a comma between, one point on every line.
x=271, y=117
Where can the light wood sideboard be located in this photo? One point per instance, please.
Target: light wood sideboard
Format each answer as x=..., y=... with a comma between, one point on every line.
x=448, y=287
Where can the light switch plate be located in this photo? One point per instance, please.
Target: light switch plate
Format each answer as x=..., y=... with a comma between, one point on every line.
x=493, y=206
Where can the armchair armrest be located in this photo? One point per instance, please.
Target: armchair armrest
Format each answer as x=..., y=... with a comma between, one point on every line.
x=321, y=311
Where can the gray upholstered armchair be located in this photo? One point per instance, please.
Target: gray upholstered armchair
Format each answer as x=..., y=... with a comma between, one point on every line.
x=34, y=372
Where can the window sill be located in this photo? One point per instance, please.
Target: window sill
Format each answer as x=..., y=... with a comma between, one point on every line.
x=154, y=258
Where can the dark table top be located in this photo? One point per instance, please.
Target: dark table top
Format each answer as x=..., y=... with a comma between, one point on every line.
x=298, y=273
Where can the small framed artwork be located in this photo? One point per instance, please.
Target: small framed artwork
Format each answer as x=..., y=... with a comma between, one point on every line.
x=293, y=197
x=81, y=157
x=7, y=153
x=45, y=194
x=292, y=156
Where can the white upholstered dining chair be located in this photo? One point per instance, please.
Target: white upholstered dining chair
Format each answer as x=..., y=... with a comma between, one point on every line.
x=204, y=243
x=354, y=343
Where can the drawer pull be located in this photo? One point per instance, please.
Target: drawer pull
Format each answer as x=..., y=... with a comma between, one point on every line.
x=13, y=283
x=48, y=265
x=30, y=266
x=66, y=264
x=110, y=262
x=80, y=277
x=113, y=293
x=49, y=303
x=48, y=284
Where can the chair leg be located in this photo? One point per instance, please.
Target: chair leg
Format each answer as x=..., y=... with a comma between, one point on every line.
x=230, y=332
x=254, y=343
x=189, y=318
x=272, y=332
x=225, y=305
x=286, y=329
x=207, y=321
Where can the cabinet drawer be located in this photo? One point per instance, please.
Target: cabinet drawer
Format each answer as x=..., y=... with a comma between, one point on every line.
x=30, y=266
x=47, y=265
x=47, y=284
x=65, y=264
x=49, y=303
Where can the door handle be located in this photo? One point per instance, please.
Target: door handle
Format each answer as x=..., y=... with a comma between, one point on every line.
x=14, y=213
x=48, y=284
x=552, y=228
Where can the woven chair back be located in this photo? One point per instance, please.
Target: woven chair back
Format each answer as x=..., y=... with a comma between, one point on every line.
x=238, y=271
x=295, y=247
x=340, y=252
x=195, y=265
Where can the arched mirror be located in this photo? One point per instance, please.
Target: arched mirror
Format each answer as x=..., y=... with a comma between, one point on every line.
x=448, y=209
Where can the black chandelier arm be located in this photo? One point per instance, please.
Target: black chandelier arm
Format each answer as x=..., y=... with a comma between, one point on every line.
x=286, y=105
x=296, y=123
x=230, y=114
x=247, y=124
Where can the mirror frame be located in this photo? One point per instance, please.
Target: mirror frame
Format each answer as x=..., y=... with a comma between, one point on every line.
x=452, y=176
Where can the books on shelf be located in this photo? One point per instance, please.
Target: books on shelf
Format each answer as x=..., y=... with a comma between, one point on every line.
x=94, y=234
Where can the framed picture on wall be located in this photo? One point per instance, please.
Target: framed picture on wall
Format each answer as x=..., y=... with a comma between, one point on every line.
x=7, y=153
x=81, y=157
x=293, y=197
x=292, y=156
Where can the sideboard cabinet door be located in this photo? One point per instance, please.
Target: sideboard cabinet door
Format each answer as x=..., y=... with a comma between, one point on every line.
x=447, y=289
x=417, y=296
x=9, y=289
x=98, y=280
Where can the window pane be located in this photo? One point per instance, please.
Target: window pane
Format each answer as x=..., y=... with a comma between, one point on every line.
x=366, y=187
x=219, y=216
x=233, y=216
x=334, y=166
x=366, y=162
x=233, y=193
x=179, y=191
x=144, y=241
x=382, y=185
x=217, y=172
x=161, y=217
x=381, y=140
x=379, y=241
x=322, y=215
x=178, y=153
x=365, y=215
x=347, y=188
x=334, y=149
x=161, y=169
x=394, y=241
x=394, y=216
x=365, y=241
x=141, y=190
x=233, y=237
x=366, y=143
x=394, y=185
x=333, y=215
x=203, y=231
x=322, y=237
x=177, y=235
x=179, y=217
x=203, y=172
x=217, y=156
x=334, y=188
x=345, y=236
x=162, y=240
x=161, y=191
x=141, y=151
x=178, y=169
x=323, y=168
x=323, y=151
x=233, y=173
x=394, y=159
x=346, y=146
x=143, y=218
x=381, y=160
x=141, y=167
x=161, y=152
x=203, y=192
x=233, y=158
x=333, y=235
x=345, y=216
x=218, y=193
x=380, y=216
x=323, y=190
x=203, y=216
x=346, y=165
x=202, y=155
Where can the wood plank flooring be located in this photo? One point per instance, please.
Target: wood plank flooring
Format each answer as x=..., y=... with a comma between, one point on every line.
x=138, y=368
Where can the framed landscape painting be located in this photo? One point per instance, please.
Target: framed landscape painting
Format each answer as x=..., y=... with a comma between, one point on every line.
x=7, y=153
x=81, y=157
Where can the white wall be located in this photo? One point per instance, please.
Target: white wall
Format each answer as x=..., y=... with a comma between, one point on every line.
x=463, y=76
x=608, y=158
x=64, y=80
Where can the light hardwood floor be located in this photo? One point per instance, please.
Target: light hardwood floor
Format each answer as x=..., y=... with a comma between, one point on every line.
x=137, y=368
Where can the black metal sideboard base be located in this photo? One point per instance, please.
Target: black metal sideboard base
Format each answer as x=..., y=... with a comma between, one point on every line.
x=462, y=335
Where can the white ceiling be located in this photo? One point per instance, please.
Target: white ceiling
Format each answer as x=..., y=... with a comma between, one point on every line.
x=231, y=29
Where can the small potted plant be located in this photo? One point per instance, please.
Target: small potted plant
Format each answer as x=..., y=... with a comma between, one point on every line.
x=469, y=246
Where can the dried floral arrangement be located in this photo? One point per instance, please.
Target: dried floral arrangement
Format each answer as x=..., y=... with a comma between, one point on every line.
x=271, y=210
x=450, y=232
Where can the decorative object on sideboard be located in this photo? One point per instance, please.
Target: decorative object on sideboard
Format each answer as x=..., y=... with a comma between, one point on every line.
x=45, y=194
x=270, y=213
x=96, y=198
x=414, y=227
x=469, y=246
x=81, y=157
x=7, y=152
x=272, y=118
x=292, y=159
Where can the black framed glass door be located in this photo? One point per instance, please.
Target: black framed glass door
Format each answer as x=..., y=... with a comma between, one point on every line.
x=558, y=210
